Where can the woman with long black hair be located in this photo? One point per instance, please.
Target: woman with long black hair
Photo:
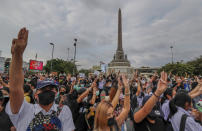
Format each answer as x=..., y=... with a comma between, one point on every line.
x=167, y=96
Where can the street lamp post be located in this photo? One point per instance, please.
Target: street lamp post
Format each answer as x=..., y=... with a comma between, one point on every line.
x=75, y=40
x=67, y=54
x=52, y=56
x=171, y=47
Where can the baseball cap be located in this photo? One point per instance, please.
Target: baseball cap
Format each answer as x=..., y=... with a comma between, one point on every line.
x=155, y=111
x=45, y=83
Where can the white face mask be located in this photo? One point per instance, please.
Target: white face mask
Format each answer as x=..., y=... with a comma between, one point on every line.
x=110, y=85
x=97, y=93
x=85, y=99
x=143, y=81
x=7, y=96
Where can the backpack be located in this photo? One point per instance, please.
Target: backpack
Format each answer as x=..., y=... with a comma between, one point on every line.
x=183, y=122
x=168, y=125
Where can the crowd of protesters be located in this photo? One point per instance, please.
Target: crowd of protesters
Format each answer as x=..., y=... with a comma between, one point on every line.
x=105, y=102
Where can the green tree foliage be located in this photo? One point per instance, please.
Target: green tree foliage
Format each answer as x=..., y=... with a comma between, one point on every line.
x=193, y=67
x=59, y=66
x=178, y=68
x=197, y=64
x=85, y=71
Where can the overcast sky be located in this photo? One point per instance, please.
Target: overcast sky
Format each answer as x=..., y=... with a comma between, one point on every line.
x=150, y=27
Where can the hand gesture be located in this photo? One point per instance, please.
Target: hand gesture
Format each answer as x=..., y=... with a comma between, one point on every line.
x=195, y=114
x=95, y=82
x=120, y=84
x=135, y=74
x=94, y=89
x=179, y=81
x=1, y=108
x=162, y=84
x=19, y=44
x=125, y=81
x=199, y=81
x=68, y=76
x=1, y=81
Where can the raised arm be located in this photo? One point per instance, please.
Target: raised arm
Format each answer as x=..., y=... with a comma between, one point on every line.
x=92, y=101
x=195, y=92
x=72, y=87
x=16, y=73
x=124, y=113
x=146, y=109
x=118, y=92
x=83, y=95
x=3, y=83
x=138, y=88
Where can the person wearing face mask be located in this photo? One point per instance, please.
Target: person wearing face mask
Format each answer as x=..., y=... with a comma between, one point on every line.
x=45, y=115
x=147, y=118
x=153, y=121
x=5, y=122
x=104, y=117
x=107, y=86
x=180, y=117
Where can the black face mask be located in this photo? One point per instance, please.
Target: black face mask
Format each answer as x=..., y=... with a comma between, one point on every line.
x=62, y=93
x=46, y=97
x=6, y=99
x=111, y=122
x=152, y=117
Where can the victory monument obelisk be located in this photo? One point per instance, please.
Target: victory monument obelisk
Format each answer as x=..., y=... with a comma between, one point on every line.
x=120, y=61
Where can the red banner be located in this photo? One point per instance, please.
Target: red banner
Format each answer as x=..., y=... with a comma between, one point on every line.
x=35, y=65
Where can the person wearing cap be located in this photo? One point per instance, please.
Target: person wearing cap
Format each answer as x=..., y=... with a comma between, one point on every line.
x=45, y=115
x=147, y=118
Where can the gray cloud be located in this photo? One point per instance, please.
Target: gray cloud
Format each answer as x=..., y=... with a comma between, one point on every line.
x=149, y=29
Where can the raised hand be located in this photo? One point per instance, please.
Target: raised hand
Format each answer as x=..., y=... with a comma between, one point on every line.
x=1, y=81
x=120, y=84
x=19, y=44
x=125, y=81
x=162, y=84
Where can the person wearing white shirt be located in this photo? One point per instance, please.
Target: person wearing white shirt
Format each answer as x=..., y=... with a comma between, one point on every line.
x=45, y=115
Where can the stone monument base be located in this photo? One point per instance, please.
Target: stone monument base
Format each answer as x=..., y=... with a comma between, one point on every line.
x=123, y=69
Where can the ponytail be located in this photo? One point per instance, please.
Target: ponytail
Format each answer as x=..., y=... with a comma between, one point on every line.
x=163, y=100
x=180, y=100
x=169, y=92
x=173, y=108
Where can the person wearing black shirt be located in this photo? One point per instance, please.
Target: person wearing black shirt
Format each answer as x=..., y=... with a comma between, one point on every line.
x=153, y=121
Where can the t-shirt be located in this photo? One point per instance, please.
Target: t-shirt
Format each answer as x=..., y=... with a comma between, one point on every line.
x=5, y=122
x=144, y=125
x=27, y=112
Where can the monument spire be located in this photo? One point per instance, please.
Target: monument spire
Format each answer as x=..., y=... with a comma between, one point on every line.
x=119, y=32
x=120, y=61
